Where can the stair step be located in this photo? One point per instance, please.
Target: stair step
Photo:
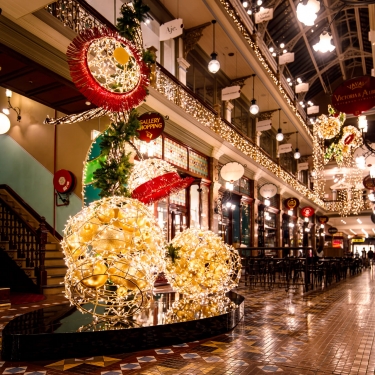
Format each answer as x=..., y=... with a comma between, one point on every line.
x=54, y=254
x=52, y=246
x=56, y=270
x=55, y=279
x=54, y=262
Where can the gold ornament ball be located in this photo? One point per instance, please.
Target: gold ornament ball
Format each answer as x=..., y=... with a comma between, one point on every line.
x=204, y=264
x=114, y=249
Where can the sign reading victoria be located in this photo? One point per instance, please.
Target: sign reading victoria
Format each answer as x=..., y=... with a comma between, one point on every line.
x=355, y=95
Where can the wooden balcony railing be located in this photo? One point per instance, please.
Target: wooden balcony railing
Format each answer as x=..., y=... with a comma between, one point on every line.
x=28, y=242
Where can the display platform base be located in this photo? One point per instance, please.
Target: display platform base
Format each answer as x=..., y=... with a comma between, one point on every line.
x=63, y=332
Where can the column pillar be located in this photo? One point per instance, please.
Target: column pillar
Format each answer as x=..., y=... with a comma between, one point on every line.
x=183, y=66
x=228, y=111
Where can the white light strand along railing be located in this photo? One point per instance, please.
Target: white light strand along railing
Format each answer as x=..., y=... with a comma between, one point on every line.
x=176, y=94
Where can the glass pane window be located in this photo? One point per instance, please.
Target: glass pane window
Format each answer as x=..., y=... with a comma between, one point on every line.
x=194, y=207
x=175, y=154
x=198, y=164
x=178, y=198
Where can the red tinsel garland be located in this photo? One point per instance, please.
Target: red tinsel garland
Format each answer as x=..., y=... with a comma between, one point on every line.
x=161, y=187
x=86, y=83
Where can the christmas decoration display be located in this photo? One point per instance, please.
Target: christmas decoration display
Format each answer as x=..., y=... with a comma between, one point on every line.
x=155, y=179
x=184, y=309
x=113, y=250
x=199, y=263
x=329, y=127
x=108, y=69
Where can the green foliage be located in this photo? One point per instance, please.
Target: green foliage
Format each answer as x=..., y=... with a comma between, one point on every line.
x=130, y=19
x=172, y=252
x=148, y=57
x=335, y=149
x=113, y=174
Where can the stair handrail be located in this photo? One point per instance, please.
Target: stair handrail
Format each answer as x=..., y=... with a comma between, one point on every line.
x=34, y=259
x=31, y=211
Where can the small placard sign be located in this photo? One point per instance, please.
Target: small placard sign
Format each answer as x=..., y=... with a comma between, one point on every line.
x=286, y=58
x=231, y=92
x=264, y=14
x=287, y=147
x=263, y=125
x=171, y=29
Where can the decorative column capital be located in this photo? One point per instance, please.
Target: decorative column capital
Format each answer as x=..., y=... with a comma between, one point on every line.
x=182, y=63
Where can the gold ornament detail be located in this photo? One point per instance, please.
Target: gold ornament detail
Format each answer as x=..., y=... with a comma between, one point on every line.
x=328, y=127
x=204, y=264
x=113, y=249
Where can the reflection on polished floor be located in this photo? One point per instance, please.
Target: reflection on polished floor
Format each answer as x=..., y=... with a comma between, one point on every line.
x=326, y=332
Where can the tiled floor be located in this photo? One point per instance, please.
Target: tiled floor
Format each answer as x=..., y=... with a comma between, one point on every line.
x=330, y=332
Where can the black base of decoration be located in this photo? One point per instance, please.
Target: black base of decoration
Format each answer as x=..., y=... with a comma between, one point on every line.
x=63, y=332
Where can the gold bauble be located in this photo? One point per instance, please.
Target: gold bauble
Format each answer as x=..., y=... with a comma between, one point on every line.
x=120, y=55
x=89, y=229
x=93, y=275
x=109, y=240
x=106, y=213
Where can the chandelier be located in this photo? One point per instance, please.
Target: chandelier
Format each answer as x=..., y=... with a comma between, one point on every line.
x=307, y=12
x=324, y=45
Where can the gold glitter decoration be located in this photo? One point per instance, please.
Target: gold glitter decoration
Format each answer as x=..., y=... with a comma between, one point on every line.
x=185, y=310
x=113, y=250
x=204, y=264
x=112, y=65
x=328, y=127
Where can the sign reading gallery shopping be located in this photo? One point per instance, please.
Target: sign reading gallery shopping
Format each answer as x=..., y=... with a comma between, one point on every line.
x=152, y=126
x=355, y=95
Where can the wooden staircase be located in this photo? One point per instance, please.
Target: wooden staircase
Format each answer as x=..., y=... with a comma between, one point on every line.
x=31, y=243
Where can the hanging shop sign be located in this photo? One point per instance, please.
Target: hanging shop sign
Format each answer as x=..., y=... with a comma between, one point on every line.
x=302, y=87
x=291, y=203
x=332, y=230
x=286, y=58
x=232, y=171
x=283, y=149
x=323, y=219
x=307, y=211
x=368, y=182
x=171, y=29
x=264, y=14
x=263, y=125
x=231, y=92
x=303, y=166
x=313, y=109
x=268, y=190
x=355, y=95
x=152, y=126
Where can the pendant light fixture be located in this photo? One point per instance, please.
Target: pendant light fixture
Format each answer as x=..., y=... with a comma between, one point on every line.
x=213, y=65
x=279, y=135
x=254, y=109
x=297, y=154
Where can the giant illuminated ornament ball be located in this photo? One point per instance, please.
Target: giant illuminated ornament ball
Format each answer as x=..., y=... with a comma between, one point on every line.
x=203, y=264
x=114, y=249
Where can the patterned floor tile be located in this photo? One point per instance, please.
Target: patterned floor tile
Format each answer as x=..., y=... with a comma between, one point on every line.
x=130, y=366
x=270, y=368
x=164, y=351
x=113, y=372
x=14, y=370
x=36, y=373
x=190, y=355
x=184, y=345
x=239, y=362
x=149, y=358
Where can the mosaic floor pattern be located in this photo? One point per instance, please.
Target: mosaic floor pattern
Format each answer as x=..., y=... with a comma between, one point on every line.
x=326, y=332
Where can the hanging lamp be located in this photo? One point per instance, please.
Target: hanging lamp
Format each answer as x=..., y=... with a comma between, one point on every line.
x=297, y=154
x=254, y=109
x=213, y=65
x=279, y=135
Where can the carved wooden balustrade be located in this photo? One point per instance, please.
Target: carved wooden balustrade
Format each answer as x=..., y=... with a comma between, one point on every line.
x=28, y=242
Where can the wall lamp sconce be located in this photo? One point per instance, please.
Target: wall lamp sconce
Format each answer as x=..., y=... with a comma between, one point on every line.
x=6, y=111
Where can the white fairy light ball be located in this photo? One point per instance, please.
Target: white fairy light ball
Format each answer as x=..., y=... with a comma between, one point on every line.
x=204, y=264
x=114, y=249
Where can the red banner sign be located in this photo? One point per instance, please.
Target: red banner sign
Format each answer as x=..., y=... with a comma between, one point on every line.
x=152, y=126
x=291, y=203
x=355, y=95
x=307, y=211
x=323, y=219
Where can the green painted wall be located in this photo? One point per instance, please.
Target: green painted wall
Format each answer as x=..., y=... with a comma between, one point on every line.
x=33, y=182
